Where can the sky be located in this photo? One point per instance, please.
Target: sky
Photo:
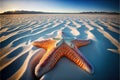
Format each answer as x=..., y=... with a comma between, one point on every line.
x=60, y=5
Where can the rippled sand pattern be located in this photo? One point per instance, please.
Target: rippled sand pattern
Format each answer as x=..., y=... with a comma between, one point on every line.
x=18, y=31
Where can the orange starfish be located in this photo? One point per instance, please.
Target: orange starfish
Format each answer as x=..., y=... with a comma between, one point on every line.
x=55, y=52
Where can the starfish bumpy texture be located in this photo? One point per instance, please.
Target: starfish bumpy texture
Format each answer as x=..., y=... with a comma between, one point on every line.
x=55, y=51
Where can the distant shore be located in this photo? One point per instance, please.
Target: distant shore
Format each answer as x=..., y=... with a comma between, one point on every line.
x=38, y=12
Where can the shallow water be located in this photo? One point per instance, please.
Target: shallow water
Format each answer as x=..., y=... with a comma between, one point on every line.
x=18, y=31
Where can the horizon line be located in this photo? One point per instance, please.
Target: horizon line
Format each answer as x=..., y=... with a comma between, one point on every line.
x=61, y=12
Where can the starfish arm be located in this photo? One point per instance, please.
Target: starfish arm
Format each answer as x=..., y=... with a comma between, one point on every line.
x=48, y=62
x=46, y=44
x=75, y=57
x=79, y=43
x=86, y=65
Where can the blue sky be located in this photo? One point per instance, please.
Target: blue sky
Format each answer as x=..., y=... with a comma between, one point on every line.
x=60, y=5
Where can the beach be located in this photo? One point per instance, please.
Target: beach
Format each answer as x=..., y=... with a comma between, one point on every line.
x=17, y=54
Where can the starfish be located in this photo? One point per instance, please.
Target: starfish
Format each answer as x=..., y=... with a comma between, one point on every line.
x=55, y=51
